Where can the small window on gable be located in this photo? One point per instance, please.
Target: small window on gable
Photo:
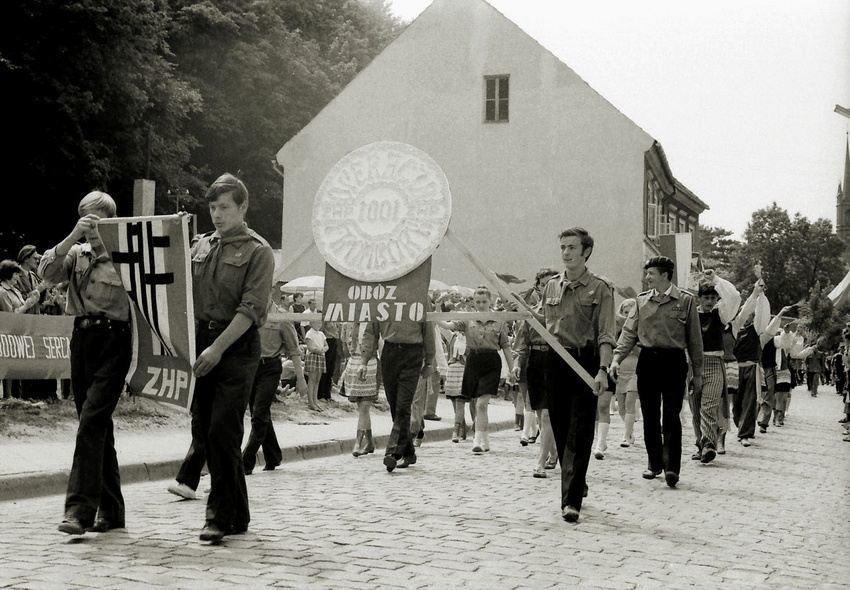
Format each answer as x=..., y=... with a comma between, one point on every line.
x=496, y=92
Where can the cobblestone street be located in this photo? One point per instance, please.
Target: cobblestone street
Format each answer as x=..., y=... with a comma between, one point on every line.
x=772, y=515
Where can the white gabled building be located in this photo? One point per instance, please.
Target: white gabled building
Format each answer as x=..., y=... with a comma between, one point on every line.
x=528, y=148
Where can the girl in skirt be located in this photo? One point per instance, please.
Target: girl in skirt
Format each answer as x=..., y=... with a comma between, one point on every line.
x=484, y=338
x=363, y=392
x=314, y=366
x=454, y=379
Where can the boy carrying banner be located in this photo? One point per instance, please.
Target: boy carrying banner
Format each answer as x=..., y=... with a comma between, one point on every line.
x=100, y=358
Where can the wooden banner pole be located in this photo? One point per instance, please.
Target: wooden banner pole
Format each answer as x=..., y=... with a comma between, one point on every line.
x=505, y=294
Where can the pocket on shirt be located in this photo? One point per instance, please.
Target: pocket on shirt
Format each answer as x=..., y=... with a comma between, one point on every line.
x=104, y=289
x=232, y=270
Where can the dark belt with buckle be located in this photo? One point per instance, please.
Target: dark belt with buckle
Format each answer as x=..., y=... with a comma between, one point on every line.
x=586, y=352
x=539, y=347
x=87, y=322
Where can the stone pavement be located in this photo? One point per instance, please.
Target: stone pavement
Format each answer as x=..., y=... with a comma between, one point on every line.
x=773, y=515
x=36, y=468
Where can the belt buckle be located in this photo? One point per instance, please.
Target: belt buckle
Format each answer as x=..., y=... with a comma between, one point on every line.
x=85, y=323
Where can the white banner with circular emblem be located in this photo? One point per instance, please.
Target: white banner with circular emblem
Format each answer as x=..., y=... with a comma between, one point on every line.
x=381, y=211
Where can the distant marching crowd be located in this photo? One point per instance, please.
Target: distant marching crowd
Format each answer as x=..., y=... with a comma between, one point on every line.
x=734, y=363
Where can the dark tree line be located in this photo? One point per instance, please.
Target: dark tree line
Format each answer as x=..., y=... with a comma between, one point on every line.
x=99, y=93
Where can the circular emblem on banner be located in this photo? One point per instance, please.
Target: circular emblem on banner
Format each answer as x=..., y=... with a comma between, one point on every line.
x=381, y=211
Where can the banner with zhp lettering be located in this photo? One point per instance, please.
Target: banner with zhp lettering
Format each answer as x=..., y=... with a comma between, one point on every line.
x=151, y=254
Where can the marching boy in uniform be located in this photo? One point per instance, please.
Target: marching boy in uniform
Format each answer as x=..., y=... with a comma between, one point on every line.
x=232, y=270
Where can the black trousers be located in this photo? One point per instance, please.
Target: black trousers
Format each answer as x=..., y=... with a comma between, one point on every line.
x=218, y=410
x=324, y=391
x=100, y=358
x=572, y=412
x=661, y=388
x=260, y=403
x=400, y=367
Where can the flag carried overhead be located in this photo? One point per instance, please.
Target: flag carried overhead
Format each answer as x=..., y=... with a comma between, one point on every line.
x=151, y=254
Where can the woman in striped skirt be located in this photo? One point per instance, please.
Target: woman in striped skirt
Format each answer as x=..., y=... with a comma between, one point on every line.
x=363, y=392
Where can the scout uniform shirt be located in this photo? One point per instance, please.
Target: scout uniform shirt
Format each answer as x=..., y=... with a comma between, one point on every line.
x=231, y=275
x=487, y=335
x=94, y=287
x=668, y=321
x=580, y=313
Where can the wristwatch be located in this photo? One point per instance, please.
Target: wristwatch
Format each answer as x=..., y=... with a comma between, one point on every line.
x=603, y=368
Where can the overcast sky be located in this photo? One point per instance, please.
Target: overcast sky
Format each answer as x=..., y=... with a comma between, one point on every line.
x=740, y=94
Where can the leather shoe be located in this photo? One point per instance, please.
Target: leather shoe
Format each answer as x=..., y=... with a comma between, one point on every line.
x=651, y=473
x=270, y=466
x=697, y=456
x=672, y=478
x=708, y=455
x=540, y=473
x=237, y=529
x=406, y=462
x=431, y=417
x=71, y=526
x=570, y=514
x=211, y=532
x=390, y=462
x=102, y=525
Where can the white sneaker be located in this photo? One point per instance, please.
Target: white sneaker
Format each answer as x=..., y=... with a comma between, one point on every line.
x=182, y=490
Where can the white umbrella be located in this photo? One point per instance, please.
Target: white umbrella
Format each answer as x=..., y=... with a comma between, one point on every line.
x=308, y=283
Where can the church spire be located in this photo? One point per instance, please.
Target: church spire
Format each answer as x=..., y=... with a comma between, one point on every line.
x=846, y=165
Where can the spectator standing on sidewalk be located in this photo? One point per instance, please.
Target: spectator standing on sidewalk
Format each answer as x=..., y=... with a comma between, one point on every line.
x=274, y=343
x=839, y=372
x=315, y=366
x=331, y=332
x=101, y=348
x=578, y=310
x=666, y=323
x=298, y=307
x=28, y=282
x=232, y=270
x=719, y=300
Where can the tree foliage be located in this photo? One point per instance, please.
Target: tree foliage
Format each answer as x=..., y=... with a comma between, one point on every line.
x=795, y=255
x=100, y=93
x=717, y=248
x=92, y=102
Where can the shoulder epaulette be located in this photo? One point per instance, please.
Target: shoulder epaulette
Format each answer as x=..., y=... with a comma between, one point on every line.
x=258, y=237
x=605, y=280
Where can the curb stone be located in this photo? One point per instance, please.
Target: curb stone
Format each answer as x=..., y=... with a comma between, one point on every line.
x=20, y=486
